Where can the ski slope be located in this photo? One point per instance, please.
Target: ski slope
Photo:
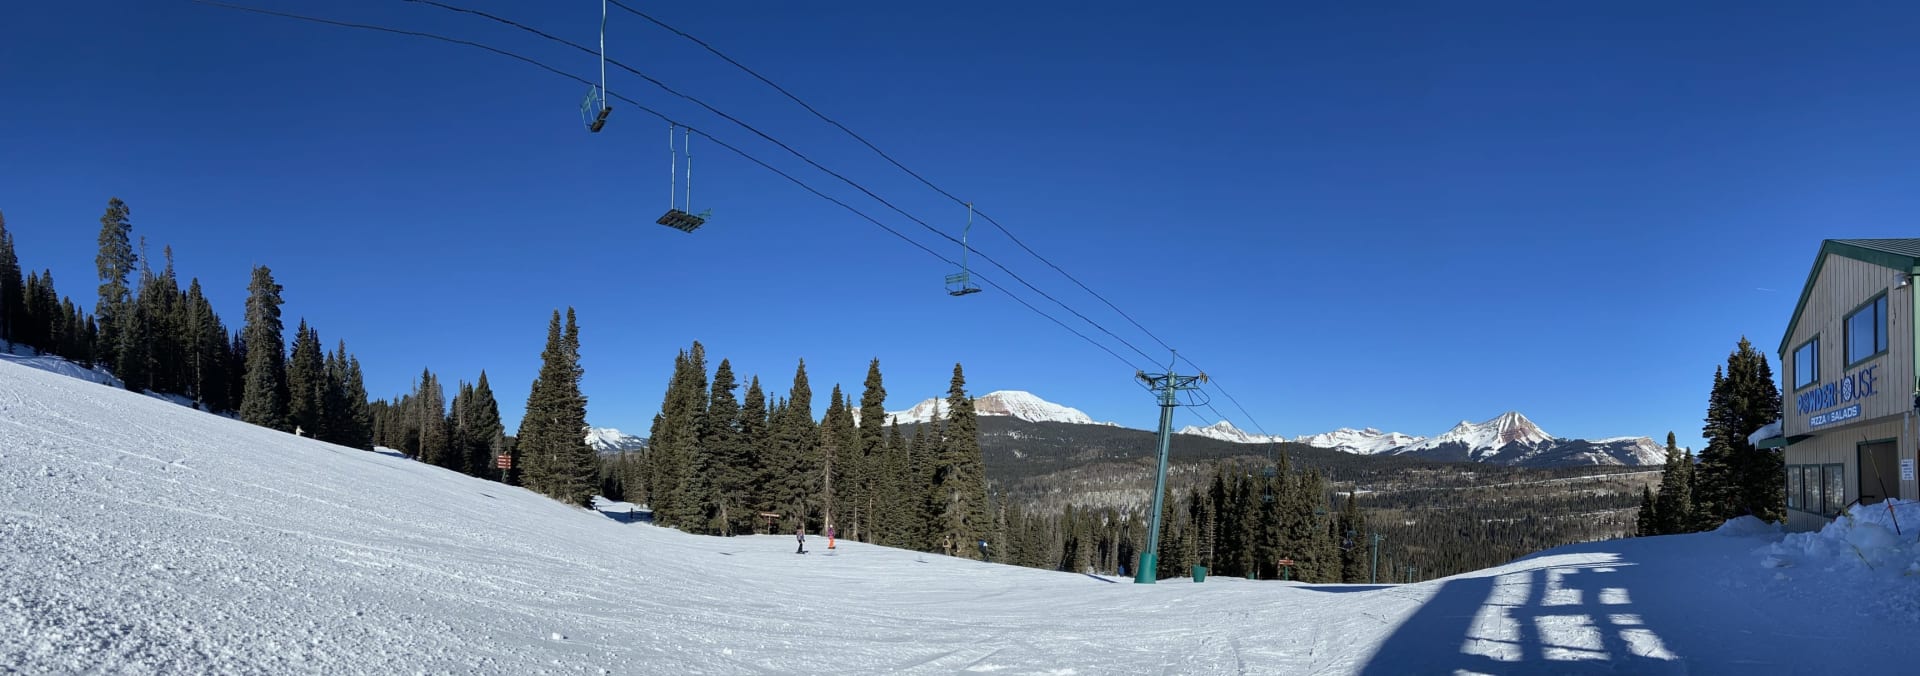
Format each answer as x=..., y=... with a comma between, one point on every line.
x=137, y=536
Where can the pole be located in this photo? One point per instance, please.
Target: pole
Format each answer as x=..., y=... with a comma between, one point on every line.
x=1375, y=578
x=1149, y=559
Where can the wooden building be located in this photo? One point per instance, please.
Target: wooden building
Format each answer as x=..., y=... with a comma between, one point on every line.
x=1849, y=381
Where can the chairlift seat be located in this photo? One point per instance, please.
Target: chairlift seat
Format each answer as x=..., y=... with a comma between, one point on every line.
x=682, y=221
x=600, y=121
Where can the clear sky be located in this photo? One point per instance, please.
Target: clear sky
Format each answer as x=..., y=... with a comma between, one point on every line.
x=1397, y=216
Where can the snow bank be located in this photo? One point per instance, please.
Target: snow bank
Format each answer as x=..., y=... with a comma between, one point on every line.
x=26, y=356
x=1871, y=553
x=1747, y=526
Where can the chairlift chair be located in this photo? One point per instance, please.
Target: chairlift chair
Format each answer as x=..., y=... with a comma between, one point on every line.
x=961, y=283
x=676, y=217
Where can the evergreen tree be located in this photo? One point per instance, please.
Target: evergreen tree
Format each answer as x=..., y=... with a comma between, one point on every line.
x=1734, y=477
x=756, y=438
x=263, y=401
x=680, y=494
x=552, y=438
x=12, y=286
x=430, y=412
x=306, y=383
x=730, y=472
x=834, y=430
x=1356, y=556
x=791, y=478
x=115, y=263
x=959, y=480
x=876, y=477
x=1649, y=520
x=1674, y=506
x=486, y=436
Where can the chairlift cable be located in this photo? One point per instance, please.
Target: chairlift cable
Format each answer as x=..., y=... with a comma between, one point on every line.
x=723, y=144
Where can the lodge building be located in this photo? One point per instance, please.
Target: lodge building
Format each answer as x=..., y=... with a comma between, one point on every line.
x=1849, y=382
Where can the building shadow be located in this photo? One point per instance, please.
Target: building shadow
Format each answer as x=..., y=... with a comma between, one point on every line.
x=1550, y=619
x=624, y=514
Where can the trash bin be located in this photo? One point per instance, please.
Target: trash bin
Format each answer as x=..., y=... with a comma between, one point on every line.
x=1199, y=573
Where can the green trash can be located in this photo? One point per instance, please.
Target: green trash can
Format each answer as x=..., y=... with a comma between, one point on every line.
x=1199, y=573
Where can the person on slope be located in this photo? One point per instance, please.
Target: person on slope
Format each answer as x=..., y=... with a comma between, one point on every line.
x=800, y=535
x=829, y=536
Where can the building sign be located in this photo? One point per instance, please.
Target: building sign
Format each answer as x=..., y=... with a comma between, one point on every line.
x=1906, y=469
x=1850, y=387
x=1832, y=417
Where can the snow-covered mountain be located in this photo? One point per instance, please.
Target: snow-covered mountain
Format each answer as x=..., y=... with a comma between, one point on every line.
x=609, y=441
x=1225, y=431
x=1481, y=440
x=1018, y=404
x=1367, y=441
x=1508, y=439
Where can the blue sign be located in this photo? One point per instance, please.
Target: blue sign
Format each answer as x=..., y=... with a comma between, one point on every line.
x=1853, y=386
x=1832, y=417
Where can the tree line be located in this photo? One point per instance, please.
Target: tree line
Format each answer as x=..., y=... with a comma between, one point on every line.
x=722, y=463
x=1731, y=478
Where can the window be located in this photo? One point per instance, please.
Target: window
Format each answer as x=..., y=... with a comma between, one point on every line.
x=1806, y=364
x=1796, y=482
x=1866, y=331
x=1836, y=489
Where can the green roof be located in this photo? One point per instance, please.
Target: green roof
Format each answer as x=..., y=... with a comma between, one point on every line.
x=1897, y=254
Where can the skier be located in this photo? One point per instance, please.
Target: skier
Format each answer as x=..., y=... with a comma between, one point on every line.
x=829, y=536
x=800, y=535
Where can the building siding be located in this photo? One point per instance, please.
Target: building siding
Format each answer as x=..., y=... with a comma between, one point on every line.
x=1844, y=284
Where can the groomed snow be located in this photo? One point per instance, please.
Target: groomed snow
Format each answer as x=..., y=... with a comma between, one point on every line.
x=141, y=537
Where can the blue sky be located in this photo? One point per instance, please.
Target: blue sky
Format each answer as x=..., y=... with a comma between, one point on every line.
x=1399, y=216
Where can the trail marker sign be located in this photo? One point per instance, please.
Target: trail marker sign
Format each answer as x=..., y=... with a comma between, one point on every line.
x=503, y=461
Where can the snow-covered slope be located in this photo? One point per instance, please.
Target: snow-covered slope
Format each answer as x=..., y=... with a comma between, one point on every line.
x=1225, y=431
x=142, y=537
x=1367, y=441
x=1015, y=403
x=607, y=440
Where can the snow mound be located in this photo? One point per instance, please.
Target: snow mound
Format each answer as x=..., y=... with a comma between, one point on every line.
x=1864, y=545
x=1747, y=526
x=26, y=356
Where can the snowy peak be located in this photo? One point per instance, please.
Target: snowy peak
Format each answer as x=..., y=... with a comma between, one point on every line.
x=608, y=441
x=1225, y=431
x=1369, y=441
x=1485, y=438
x=1013, y=403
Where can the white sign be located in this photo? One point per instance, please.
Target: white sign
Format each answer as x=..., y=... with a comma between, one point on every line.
x=1906, y=469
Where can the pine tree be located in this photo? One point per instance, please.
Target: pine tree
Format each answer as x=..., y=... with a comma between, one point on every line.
x=552, y=439
x=486, y=437
x=680, y=494
x=1649, y=520
x=729, y=470
x=430, y=417
x=115, y=263
x=1356, y=557
x=833, y=433
x=263, y=402
x=306, y=383
x=1674, y=504
x=12, y=285
x=791, y=476
x=1734, y=477
x=959, y=480
x=877, y=479
x=756, y=438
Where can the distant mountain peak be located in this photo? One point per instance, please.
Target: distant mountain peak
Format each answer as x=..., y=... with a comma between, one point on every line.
x=607, y=440
x=1225, y=431
x=1012, y=403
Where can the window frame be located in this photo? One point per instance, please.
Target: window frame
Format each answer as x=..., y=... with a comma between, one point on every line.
x=1796, y=487
x=1794, y=356
x=1879, y=304
x=1833, y=504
